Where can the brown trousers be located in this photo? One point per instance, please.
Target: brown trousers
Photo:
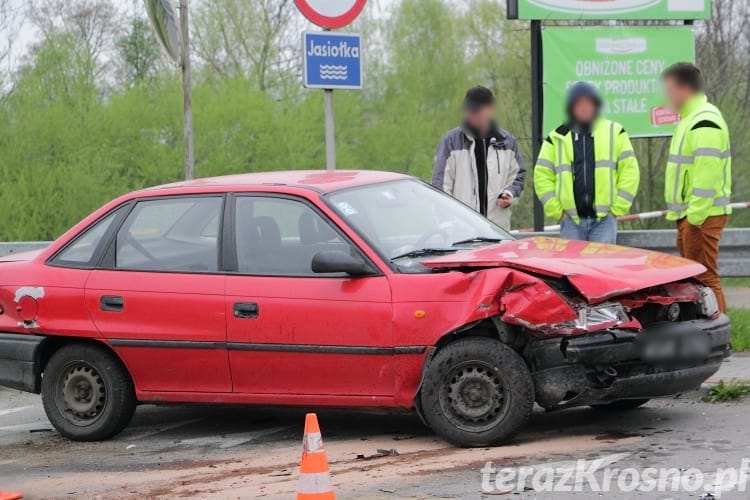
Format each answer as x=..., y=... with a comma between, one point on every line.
x=701, y=244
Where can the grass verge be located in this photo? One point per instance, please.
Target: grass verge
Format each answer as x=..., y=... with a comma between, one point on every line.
x=736, y=282
x=724, y=391
x=740, y=328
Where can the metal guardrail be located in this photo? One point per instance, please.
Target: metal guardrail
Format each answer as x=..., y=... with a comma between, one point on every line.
x=734, y=257
x=21, y=246
x=734, y=254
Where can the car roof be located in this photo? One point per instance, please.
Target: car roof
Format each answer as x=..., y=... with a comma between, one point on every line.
x=321, y=181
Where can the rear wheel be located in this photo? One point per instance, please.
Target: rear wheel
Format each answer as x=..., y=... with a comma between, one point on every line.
x=477, y=392
x=621, y=405
x=87, y=393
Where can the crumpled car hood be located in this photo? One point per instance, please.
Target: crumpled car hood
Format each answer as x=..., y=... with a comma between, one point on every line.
x=598, y=271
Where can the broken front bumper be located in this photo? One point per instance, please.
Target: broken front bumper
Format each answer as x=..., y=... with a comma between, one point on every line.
x=662, y=360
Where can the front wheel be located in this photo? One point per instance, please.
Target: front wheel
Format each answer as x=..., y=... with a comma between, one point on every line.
x=87, y=393
x=477, y=392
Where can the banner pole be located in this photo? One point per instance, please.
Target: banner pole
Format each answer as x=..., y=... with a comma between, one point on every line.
x=537, y=93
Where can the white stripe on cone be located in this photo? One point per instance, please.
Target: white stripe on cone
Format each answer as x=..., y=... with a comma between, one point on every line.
x=317, y=482
x=312, y=442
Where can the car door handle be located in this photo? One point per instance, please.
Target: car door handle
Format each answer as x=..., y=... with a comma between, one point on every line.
x=246, y=310
x=114, y=303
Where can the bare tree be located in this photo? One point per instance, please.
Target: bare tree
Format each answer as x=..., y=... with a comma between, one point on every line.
x=94, y=25
x=253, y=38
x=10, y=24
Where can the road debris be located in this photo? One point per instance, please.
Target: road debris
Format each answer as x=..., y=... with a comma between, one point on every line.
x=380, y=453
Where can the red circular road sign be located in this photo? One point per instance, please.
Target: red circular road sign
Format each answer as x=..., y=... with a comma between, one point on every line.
x=331, y=14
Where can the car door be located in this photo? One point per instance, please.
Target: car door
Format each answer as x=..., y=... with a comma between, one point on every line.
x=291, y=331
x=158, y=296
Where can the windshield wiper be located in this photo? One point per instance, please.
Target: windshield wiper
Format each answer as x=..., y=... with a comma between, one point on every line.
x=477, y=239
x=423, y=252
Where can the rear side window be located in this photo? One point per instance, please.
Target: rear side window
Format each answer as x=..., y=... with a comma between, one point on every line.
x=175, y=234
x=81, y=252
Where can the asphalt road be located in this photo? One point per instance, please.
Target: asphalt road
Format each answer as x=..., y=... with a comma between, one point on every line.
x=223, y=452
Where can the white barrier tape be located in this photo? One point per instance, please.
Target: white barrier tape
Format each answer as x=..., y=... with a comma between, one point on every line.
x=642, y=216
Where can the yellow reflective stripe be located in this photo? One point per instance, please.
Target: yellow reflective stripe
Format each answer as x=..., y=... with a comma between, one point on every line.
x=541, y=162
x=564, y=167
x=546, y=197
x=722, y=202
x=712, y=152
x=316, y=482
x=676, y=207
x=680, y=159
x=626, y=154
x=624, y=194
x=602, y=208
x=704, y=193
x=606, y=163
x=572, y=212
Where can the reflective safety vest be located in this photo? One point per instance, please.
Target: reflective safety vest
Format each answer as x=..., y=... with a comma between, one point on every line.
x=616, y=172
x=698, y=180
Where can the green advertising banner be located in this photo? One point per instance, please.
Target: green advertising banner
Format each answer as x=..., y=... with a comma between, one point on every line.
x=609, y=9
x=625, y=64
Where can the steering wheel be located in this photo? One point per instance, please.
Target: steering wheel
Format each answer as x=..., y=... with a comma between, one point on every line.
x=422, y=241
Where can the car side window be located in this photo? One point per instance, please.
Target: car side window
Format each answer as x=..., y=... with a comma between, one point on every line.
x=80, y=252
x=171, y=234
x=279, y=236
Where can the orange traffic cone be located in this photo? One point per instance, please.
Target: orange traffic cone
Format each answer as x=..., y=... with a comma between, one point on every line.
x=6, y=495
x=314, y=478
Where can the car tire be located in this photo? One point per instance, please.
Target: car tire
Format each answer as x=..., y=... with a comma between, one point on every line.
x=87, y=393
x=477, y=392
x=621, y=405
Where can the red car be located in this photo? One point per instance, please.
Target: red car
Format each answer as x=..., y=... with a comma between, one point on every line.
x=345, y=289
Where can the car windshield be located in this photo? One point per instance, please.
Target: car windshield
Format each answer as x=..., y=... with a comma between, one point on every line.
x=408, y=218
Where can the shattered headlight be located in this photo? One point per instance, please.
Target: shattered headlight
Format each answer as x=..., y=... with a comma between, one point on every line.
x=601, y=316
x=707, y=304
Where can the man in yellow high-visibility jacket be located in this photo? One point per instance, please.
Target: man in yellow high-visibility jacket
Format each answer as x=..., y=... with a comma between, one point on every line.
x=698, y=182
x=587, y=173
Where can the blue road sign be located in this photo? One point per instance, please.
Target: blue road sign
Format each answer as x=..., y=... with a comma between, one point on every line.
x=332, y=60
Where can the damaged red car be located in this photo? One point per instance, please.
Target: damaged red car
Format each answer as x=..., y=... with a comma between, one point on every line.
x=343, y=289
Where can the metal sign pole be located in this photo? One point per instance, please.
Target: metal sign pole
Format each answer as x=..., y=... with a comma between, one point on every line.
x=187, y=92
x=330, y=130
x=537, y=96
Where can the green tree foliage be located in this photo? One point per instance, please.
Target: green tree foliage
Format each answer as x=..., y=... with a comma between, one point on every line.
x=94, y=112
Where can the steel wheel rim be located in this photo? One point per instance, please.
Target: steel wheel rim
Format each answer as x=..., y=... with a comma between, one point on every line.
x=81, y=393
x=473, y=396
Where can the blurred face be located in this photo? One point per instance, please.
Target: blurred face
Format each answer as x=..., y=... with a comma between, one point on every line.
x=675, y=93
x=584, y=110
x=480, y=119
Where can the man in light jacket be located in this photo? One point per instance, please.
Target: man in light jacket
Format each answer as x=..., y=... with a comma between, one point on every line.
x=479, y=163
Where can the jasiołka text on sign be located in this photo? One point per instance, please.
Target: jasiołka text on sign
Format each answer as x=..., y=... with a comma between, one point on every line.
x=332, y=60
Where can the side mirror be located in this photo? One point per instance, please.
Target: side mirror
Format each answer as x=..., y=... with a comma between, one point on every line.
x=336, y=261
